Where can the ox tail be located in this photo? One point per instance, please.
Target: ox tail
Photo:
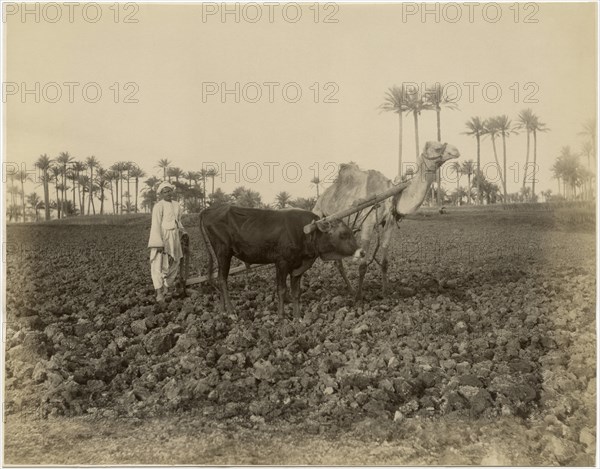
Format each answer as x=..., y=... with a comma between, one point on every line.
x=212, y=256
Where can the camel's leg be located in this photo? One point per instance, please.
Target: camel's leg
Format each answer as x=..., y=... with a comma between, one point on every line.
x=362, y=268
x=340, y=265
x=386, y=237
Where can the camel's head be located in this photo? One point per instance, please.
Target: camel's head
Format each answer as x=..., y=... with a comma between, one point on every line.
x=436, y=154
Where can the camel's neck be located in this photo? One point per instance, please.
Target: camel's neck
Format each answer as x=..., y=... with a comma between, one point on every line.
x=413, y=196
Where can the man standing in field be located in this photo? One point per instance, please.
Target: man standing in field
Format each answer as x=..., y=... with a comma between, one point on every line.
x=165, y=242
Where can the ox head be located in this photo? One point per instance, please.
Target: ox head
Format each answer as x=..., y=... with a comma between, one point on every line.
x=334, y=240
x=435, y=154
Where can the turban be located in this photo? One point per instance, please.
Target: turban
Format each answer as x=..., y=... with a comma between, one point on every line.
x=164, y=185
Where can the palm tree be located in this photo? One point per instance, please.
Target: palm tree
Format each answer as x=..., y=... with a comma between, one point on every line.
x=536, y=127
x=203, y=176
x=589, y=131
x=113, y=175
x=468, y=168
x=137, y=173
x=492, y=129
x=34, y=202
x=23, y=176
x=457, y=168
x=84, y=184
x=43, y=164
x=282, y=199
x=78, y=167
x=316, y=182
x=149, y=193
x=476, y=128
x=175, y=172
x=91, y=162
x=435, y=99
x=118, y=169
x=64, y=159
x=102, y=180
x=586, y=149
x=526, y=120
x=189, y=175
x=212, y=173
x=414, y=105
x=505, y=128
x=128, y=166
x=567, y=168
x=394, y=101
x=55, y=175
x=73, y=178
x=246, y=197
x=164, y=164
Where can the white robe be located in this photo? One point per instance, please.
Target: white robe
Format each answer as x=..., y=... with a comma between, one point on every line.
x=165, y=233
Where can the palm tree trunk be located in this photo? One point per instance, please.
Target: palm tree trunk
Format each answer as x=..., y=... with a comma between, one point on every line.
x=64, y=189
x=496, y=158
x=399, y=148
x=212, y=188
x=91, y=199
x=116, y=206
x=101, y=199
x=526, y=160
x=23, y=198
x=137, y=180
x=534, y=164
x=457, y=187
x=128, y=193
x=479, y=169
x=416, y=119
x=121, y=193
x=504, y=163
x=438, y=111
x=469, y=188
x=46, y=197
x=57, y=201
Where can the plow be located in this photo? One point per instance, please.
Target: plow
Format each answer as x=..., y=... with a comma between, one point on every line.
x=356, y=208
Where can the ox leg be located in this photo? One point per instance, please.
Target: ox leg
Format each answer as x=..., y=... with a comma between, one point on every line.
x=340, y=265
x=224, y=264
x=281, y=274
x=295, y=288
x=385, y=245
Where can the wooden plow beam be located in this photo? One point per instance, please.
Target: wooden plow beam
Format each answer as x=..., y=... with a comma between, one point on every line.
x=235, y=270
x=357, y=206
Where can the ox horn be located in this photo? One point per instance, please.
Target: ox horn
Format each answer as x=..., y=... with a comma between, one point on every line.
x=323, y=225
x=308, y=229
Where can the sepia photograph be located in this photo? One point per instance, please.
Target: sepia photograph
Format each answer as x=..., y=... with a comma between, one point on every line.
x=299, y=233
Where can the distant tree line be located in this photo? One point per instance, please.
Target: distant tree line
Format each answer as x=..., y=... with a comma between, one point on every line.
x=72, y=188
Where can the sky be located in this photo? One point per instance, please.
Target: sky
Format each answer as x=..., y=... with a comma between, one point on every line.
x=273, y=96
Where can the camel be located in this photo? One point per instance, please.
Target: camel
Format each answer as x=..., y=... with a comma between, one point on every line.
x=353, y=186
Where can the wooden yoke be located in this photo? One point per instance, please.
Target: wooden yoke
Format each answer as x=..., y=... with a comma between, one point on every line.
x=357, y=206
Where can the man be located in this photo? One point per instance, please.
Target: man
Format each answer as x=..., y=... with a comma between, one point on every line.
x=165, y=242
